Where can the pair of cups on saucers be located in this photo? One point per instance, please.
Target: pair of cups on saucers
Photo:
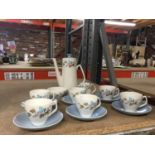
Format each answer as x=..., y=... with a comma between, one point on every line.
x=43, y=104
x=130, y=101
x=84, y=99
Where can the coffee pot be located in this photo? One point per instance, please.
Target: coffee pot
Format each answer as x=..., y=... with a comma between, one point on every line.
x=68, y=77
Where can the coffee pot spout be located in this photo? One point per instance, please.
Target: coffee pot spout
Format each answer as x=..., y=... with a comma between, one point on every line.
x=58, y=74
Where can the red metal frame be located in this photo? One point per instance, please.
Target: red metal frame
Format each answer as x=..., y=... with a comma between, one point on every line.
x=31, y=22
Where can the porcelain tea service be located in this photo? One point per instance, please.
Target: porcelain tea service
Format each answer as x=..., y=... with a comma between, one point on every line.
x=108, y=92
x=39, y=110
x=132, y=101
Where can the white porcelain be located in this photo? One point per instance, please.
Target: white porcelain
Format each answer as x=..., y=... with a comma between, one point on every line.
x=68, y=79
x=131, y=101
x=108, y=92
x=39, y=110
x=86, y=104
x=57, y=92
x=76, y=91
x=39, y=93
x=97, y=93
x=90, y=87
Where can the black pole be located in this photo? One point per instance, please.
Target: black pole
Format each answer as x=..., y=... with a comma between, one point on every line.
x=49, y=43
x=128, y=41
x=68, y=37
x=107, y=56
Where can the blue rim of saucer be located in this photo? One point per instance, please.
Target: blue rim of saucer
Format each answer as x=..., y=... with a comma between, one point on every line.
x=22, y=121
x=141, y=111
x=111, y=100
x=98, y=113
x=66, y=99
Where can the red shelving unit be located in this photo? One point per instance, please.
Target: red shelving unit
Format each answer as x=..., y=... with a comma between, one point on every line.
x=31, y=22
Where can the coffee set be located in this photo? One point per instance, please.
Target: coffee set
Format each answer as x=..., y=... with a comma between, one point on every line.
x=83, y=100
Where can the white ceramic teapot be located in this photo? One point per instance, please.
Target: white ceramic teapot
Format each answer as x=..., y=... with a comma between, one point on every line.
x=68, y=78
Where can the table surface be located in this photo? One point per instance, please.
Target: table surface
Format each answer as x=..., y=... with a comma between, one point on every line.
x=145, y=86
x=12, y=93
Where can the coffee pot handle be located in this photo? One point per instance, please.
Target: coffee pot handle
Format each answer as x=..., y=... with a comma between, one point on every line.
x=84, y=77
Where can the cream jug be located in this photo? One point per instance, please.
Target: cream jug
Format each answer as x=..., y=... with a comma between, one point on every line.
x=68, y=78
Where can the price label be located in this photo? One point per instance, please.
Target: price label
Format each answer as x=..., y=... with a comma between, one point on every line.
x=19, y=75
x=140, y=75
x=51, y=74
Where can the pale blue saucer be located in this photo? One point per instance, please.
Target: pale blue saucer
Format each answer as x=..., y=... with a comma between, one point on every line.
x=21, y=120
x=141, y=111
x=67, y=99
x=107, y=100
x=98, y=113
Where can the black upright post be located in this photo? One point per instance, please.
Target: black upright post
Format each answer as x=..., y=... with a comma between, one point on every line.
x=84, y=46
x=107, y=56
x=49, y=43
x=95, y=51
x=68, y=37
x=128, y=41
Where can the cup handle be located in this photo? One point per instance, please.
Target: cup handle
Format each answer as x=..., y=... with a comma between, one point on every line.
x=53, y=96
x=145, y=103
x=22, y=104
x=99, y=103
x=56, y=108
x=84, y=77
x=94, y=90
x=117, y=90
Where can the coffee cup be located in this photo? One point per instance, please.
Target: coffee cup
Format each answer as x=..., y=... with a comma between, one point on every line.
x=57, y=92
x=87, y=104
x=38, y=110
x=90, y=87
x=131, y=101
x=76, y=91
x=108, y=92
x=39, y=93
